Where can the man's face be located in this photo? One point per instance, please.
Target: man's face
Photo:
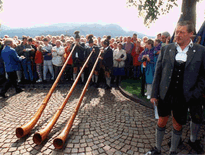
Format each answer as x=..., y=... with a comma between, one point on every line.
x=129, y=39
x=45, y=42
x=182, y=35
x=53, y=40
x=134, y=37
x=29, y=42
x=24, y=41
x=115, y=45
x=159, y=36
x=138, y=44
x=91, y=44
x=163, y=38
x=77, y=39
x=58, y=44
x=119, y=46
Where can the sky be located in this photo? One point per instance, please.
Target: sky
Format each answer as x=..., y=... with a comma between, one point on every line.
x=26, y=13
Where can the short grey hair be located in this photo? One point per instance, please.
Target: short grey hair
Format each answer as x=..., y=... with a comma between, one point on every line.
x=8, y=41
x=166, y=34
x=188, y=24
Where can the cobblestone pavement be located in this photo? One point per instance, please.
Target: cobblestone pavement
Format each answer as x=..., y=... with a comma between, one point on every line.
x=107, y=123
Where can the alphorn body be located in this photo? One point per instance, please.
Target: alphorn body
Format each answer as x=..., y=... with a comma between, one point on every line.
x=40, y=136
x=26, y=128
x=60, y=140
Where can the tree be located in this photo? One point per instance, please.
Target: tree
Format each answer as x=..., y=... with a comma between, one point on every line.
x=150, y=10
x=1, y=5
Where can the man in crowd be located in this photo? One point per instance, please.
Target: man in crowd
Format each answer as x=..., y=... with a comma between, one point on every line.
x=178, y=84
x=11, y=61
x=165, y=38
x=26, y=50
x=78, y=56
x=107, y=62
x=128, y=46
x=47, y=61
x=3, y=80
x=31, y=42
x=93, y=59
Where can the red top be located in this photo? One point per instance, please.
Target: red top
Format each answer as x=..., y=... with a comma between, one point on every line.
x=135, y=56
x=38, y=57
x=67, y=53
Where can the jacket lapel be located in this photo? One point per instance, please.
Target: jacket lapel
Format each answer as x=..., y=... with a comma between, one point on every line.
x=190, y=55
x=172, y=53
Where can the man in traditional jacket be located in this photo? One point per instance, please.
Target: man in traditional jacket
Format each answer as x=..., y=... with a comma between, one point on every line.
x=107, y=62
x=178, y=84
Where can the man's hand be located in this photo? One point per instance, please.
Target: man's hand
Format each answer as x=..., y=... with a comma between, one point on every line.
x=154, y=100
x=23, y=57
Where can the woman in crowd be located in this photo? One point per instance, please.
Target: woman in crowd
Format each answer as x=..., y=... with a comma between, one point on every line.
x=144, y=40
x=39, y=61
x=147, y=57
x=135, y=54
x=119, y=57
x=68, y=70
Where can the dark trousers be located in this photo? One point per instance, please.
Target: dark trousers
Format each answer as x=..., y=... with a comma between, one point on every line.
x=12, y=81
x=57, y=70
x=68, y=72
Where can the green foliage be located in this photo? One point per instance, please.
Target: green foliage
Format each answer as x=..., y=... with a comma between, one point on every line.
x=1, y=5
x=150, y=10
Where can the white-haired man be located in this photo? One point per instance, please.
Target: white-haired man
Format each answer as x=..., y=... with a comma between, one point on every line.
x=11, y=61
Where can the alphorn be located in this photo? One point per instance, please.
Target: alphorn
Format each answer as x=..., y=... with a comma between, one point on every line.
x=60, y=140
x=26, y=128
x=40, y=136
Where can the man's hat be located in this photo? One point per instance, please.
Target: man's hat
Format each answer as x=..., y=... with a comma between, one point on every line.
x=90, y=39
x=77, y=34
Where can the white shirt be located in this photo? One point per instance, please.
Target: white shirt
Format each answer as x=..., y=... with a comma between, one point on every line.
x=57, y=59
x=182, y=54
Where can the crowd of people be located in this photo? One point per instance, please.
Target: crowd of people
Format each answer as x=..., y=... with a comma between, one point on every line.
x=44, y=56
x=170, y=82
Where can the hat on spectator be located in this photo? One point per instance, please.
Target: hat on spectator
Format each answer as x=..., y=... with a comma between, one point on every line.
x=77, y=36
x=90, y=39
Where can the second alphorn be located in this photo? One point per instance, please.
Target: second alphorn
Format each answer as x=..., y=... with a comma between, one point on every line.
x=40, y=136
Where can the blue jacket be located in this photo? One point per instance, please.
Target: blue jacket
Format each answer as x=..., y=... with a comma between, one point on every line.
x=11, y=59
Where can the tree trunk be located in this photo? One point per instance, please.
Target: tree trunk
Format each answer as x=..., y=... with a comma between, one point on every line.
x=188, y=11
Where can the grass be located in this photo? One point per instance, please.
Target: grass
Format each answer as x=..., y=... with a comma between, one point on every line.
x=133, y=87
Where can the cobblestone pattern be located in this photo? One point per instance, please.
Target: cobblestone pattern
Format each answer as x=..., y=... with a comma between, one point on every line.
x=107, y=123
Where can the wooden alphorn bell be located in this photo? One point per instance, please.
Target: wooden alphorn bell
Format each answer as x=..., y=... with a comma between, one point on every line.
x=40, y=136
x=26, y=128
x=60, y=140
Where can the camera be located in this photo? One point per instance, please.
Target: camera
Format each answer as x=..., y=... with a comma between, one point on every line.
x=144, y=59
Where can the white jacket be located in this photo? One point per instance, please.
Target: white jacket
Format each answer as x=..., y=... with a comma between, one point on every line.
x=58, y=58
x=118, y=54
